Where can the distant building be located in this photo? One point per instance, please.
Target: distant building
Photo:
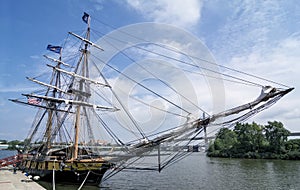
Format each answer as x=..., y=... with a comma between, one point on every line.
x=3, y=146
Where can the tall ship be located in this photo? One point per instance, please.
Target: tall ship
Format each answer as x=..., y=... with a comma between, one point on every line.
x=84, y=130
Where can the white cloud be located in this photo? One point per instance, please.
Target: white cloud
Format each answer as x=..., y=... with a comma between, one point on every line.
x=261, y=38
x=250, y=26
x=176, y=12
x=280, y=64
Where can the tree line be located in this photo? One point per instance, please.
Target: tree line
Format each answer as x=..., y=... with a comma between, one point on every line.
x=255, y=141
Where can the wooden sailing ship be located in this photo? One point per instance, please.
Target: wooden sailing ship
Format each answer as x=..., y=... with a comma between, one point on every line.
x=71, y=162
x=61, y=144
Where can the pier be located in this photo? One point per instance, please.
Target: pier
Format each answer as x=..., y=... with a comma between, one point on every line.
x=17, y=181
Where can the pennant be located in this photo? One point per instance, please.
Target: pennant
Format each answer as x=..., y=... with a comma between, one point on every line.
x=55, y=49
x=85, y=17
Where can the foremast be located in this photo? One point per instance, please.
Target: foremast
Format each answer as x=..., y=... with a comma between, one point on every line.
x=49, y=124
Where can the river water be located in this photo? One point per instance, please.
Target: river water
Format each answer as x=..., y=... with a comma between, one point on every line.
x=200, y=172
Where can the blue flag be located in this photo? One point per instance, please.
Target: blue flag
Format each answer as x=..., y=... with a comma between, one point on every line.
x=85, y=17
x=55, y=49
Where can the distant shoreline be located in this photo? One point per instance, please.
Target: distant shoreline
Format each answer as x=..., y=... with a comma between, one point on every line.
x=254, y=141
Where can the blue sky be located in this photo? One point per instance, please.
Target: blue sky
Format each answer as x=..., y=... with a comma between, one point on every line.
x=260, y=37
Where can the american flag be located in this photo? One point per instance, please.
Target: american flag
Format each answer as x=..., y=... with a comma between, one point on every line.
x=35, y=101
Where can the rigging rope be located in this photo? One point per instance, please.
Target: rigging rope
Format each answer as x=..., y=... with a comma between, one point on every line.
x=120, y=102
x=210, y=76
x=186, y=63
x=142, y=102
x=61, y=123
x=197, y=66
x=108, y=130
x=84, y=180
x=89, y=126
x=143, y=86
x=152, y=74
x=195, y=57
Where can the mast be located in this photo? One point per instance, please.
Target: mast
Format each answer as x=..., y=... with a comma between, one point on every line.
x=52, y=105
x=84, y=72
x=77, y=125
x=49, y=128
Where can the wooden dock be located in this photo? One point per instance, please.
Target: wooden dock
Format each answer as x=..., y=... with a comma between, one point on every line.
x=18, y=181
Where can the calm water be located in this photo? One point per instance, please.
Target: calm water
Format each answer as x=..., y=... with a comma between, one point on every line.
x=7, y=153
x=200, y=172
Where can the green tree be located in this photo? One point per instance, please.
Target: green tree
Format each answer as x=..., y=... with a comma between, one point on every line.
x=292, y=145
x=276, y=135
x=292, y=148
x=255, y=141
x=225, y=141
x=250, y=137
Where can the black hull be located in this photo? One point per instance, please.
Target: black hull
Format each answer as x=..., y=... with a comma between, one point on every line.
x=76, y=172
x=94, y=177
x=87, y=171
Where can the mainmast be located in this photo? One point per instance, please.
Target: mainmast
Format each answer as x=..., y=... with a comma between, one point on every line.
x=85, y=73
